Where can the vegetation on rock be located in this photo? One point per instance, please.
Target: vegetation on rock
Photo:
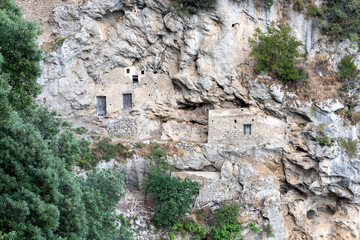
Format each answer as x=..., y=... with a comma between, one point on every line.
x=192, y=6
x=347, y=68
x=172, y=195
x=341, y=18
x=40, y=197
x=227, y=225
x=276, y=53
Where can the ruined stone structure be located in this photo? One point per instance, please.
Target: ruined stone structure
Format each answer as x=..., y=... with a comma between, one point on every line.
x=243, y=128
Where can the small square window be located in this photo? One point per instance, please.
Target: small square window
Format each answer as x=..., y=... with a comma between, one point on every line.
x=135, y=78
x=142, y=72
x=247, y=129
x=128, y=70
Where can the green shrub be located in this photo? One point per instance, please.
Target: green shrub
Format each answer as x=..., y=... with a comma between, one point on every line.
x=350, y=146
x=227, y=214
x=227, y=224
x=268, y=230
x=192, y=6
x=105, y=150
x=172, y=195
x=324, y=140
x=341, y=18
x=191, y=227
x=299, y=5
x=314, y=11
x=102, y=190
x=253, y=227
x=347, y=68
x=80, y=130
x=276, y=52
x=227, y=232
x=269, y=3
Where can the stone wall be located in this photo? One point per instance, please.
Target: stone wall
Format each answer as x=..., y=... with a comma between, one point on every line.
x=226, y=126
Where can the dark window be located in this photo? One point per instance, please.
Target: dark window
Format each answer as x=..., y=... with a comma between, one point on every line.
x=127, y=100
x=128, y=70
x=101, y=105
x=142, y=72
x=247, y=129
x=135, y=79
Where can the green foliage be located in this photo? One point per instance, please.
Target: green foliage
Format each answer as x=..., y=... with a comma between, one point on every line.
x=299, y=5
x=139, y=145
x=102, y=191
x=269, y=3
x=314, y=11
x=253, y=227
x=80, y=130
x=172, y=195
x=20, y=55
x=268, y=230
x=347, y=68
x=324, y=140
x=276, y=53
x=350, y=146
x=66, y=124
x=227, y=232
x=40, y=197
x=227, y=214
x=191, y=227
x=158, y=163
x=227, y=224
x=341, y=18
x=187, y=7
x=172, y=235
x=105, y=150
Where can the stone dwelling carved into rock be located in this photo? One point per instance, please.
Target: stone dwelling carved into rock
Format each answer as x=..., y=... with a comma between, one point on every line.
x=244, y=127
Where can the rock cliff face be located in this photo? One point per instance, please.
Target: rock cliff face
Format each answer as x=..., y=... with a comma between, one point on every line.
x=188, y=65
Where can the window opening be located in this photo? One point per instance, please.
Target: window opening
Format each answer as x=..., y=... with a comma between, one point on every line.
x=101, y=105
x=142, y=72
x=135, y=78
x=247, y=129
x=127, y=100
x=128, y=70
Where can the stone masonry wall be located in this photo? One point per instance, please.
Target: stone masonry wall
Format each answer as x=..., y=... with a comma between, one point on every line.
x=227, y=127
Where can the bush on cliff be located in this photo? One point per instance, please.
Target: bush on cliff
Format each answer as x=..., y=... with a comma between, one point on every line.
x=276, y=53
x=341, y=18
x=172, y=195
x=192, y=6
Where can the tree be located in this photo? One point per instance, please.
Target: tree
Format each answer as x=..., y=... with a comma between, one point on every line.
x=347, y=68
x=21, y=55
x=40, y=197
x=192, y=6
x=276, y=52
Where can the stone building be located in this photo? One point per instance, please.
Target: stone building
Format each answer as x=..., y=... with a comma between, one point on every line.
x=242, y=127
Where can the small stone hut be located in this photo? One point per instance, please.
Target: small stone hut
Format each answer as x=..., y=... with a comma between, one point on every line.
x=241, y=127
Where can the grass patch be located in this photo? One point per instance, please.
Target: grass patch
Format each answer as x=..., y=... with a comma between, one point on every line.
x=105, y=150
x=350, y=146
x=80, y=130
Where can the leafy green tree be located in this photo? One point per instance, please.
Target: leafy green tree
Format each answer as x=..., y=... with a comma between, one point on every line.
x=347, y=68
x=172, y=195
x=40, y=197
x=21, y=55
x=341, y=18
x=276, y=52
